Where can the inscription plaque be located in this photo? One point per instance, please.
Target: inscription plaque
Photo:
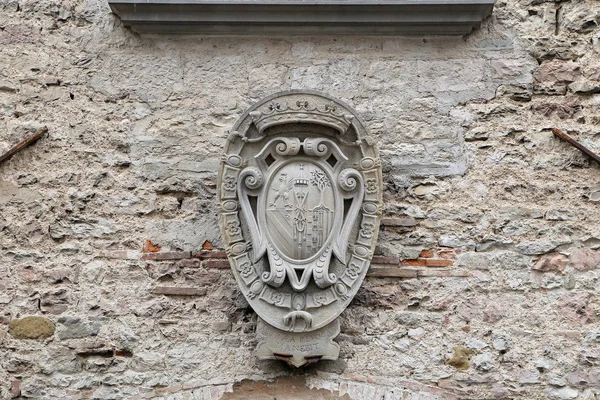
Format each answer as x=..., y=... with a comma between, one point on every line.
x=300, y=201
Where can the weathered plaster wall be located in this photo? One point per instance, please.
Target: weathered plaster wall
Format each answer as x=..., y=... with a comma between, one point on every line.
x=491, y=224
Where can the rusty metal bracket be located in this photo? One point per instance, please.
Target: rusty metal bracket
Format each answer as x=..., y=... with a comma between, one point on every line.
x=576, y=144
x=30, y=140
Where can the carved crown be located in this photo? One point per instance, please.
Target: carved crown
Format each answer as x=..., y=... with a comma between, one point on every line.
x=301, y=112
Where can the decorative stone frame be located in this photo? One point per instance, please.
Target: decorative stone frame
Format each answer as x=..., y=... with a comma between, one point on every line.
x=303, y=17
x=300, y=192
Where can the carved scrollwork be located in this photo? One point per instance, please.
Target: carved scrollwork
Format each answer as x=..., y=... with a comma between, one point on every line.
x=288, y=146
x=316, y=147
x=322, y=278
x=251, y=177
x=349, y=179
x=276, y=276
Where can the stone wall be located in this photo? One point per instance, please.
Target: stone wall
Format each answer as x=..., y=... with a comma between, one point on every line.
x=486, y=283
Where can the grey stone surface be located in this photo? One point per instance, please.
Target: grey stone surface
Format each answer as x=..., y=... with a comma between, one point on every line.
x=484, y=361
x=536, y=247
x=564, y=393
x=136, y=129
x=75, y=327
x=501, y=341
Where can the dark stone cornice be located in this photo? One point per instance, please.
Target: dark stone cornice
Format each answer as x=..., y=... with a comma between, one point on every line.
x=303, y=17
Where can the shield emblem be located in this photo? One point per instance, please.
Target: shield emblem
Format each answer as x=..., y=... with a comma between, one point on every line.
x=300, y=194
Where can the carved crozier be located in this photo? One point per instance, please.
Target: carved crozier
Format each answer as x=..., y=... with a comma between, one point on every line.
x=300, y=195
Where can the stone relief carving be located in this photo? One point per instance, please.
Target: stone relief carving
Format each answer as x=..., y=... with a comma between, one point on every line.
x=300, y=194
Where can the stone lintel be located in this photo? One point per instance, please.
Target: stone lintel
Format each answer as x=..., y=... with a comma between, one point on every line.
x=303, y=17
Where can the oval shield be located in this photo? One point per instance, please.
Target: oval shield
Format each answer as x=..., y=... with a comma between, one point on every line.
x=300, y=195
x=300, y=210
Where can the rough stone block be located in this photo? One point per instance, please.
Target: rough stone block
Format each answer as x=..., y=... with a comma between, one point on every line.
x=120, y=254
x=564, y=393
x=401, y=221
x=451, y=75
x=186, y=234
x=552, y=77
x=536, y=247
x=551, y=262
x=584, y=259
x=513, y=71
x=580, y=17
x=16, y=34
x=179, y=291
x=72, y=327
x=460, y=357
x=31, y=328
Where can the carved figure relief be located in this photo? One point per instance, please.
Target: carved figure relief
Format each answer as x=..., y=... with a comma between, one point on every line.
x=300, y=194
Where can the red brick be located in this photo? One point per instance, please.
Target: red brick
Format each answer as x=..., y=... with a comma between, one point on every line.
x=219, y=264
x=391, y=272
x=385, y=260
x=447, y=254
x=426, y=254
x=206, y=254
x=419, y=262
x=189, y=263
x=150, y=247
x=438, y=263
x=179, y=291
x=169, y=255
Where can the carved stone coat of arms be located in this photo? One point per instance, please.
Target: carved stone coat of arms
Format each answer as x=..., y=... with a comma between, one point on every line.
x=300, y=200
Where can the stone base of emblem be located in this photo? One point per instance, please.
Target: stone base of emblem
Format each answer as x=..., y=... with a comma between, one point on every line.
x=297, y=349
